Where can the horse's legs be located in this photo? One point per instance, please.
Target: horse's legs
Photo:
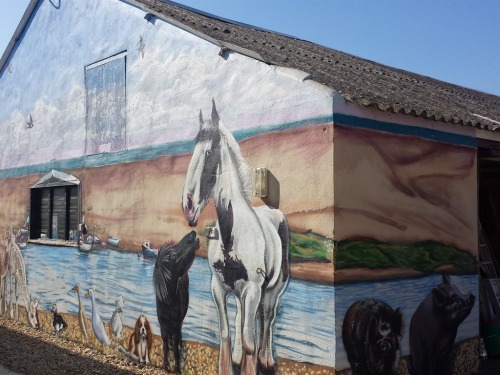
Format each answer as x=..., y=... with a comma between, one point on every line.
x=11, y=298
x=225, y=361
x=2, y=295
x=165, y=338
x=17, y=299
x=250, y=302
x=177, y=353
x=268, y=307
x=237, y=349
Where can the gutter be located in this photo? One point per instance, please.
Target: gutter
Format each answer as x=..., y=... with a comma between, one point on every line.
x=18, y=33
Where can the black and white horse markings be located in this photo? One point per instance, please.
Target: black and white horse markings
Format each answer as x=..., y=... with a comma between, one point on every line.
x=248, y=257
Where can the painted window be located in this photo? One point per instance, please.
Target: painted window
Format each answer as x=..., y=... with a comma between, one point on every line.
x=54, y=207
x=105, y=87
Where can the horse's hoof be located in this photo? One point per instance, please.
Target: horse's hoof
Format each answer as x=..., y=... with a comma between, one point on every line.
x=267, y=365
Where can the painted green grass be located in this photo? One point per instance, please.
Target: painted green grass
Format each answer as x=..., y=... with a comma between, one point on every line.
x=309, y=246
x=424, y=256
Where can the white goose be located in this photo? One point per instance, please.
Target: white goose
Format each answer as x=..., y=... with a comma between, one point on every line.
x=97, y=324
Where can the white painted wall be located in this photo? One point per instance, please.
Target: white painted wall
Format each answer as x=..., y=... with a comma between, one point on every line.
x=178, y=75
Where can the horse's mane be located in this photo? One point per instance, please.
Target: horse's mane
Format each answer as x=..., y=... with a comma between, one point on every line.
x=235, y=153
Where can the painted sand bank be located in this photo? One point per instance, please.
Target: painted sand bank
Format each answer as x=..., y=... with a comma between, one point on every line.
x=197, y=358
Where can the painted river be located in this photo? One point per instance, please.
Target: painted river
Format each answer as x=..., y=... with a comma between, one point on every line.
x=305, y=324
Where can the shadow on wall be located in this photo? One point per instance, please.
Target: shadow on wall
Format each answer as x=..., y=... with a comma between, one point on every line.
x=273, y=191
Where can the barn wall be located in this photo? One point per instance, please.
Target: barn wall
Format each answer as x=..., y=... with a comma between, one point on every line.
x=62, y=97
x=406, y=277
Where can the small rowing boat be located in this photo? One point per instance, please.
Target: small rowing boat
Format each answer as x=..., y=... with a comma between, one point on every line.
x=147, y=251
x=114, y=241
x=84, y=247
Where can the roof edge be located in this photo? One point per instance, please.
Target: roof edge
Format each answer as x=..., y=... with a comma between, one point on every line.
x=17, y=34
x=182, y=26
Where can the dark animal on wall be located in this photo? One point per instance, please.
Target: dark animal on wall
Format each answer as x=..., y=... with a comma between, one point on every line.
x=248, y=252
x=171, y=282
x=57, y=321
x=140, y=341
x=370, y=334
x=433, y=329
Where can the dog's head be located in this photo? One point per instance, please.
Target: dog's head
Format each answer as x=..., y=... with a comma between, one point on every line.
x=143, y=329
x=142, y=326
x=172, y=263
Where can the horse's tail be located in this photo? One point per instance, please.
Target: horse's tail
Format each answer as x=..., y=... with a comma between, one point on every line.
x=284, y=234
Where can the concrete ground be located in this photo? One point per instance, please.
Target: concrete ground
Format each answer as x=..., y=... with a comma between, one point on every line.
x=490, y=366
x=6, y=371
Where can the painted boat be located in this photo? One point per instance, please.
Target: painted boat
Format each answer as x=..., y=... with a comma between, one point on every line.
x=147, y=251
x=84, y=247
x=21, y=245
x=114, y=241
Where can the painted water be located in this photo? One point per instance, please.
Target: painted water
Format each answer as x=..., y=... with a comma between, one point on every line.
x=305, y=324
x=304, y=327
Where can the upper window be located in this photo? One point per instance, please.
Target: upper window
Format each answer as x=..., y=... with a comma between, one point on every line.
x=105, y=96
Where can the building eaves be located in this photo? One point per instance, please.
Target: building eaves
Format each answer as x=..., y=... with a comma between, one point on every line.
x=358, y=80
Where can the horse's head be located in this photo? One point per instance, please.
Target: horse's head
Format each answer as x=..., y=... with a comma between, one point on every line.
x=203, y=168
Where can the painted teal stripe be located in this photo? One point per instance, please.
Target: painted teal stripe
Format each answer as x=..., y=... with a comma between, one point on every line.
x=148, y=152
x=390, y=127
x=183, y=147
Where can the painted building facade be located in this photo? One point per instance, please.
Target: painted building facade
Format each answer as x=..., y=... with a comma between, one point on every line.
x=135, y=128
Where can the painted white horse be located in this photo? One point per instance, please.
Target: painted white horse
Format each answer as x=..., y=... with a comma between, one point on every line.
x=249, y=254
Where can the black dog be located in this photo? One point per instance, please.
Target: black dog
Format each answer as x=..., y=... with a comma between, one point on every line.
x=370, y=334
x=433, y=329
x=171, y=283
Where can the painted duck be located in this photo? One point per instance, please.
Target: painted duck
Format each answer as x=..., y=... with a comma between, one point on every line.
x=82, y=319
x=58, y=322
x=97, y=324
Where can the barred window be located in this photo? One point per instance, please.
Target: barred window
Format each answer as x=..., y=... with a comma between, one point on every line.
x=105, y=86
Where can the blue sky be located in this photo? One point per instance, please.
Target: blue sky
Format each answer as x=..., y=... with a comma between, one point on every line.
x=451, y=40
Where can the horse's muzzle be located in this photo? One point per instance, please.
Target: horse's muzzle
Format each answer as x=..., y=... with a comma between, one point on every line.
x=190, y=211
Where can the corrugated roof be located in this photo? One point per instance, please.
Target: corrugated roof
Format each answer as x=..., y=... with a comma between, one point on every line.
x=358, y=80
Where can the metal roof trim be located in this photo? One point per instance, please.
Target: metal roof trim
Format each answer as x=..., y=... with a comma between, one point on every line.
x=17, y=34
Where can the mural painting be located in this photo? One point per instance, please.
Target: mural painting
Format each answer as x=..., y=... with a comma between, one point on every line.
x=13, y=281
x=248, y=255
x=136, y=167
x=406, y=286
x=142, y=304
x=433, y=328
x=370, y=333
x=171, y=281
